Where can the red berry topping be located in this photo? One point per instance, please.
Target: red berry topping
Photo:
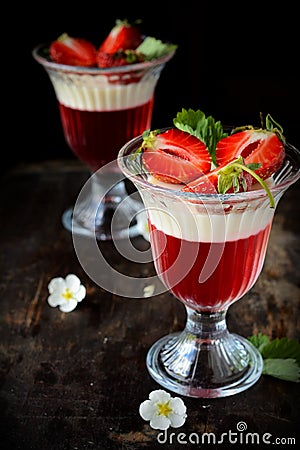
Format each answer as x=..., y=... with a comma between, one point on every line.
x=73, y=51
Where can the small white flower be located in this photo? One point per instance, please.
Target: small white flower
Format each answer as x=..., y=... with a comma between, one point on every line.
x=142, y=224
x=66, y=292
x=163, y=411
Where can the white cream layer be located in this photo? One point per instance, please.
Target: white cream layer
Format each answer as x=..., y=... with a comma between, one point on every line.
x=196, y=222
x=96, y=93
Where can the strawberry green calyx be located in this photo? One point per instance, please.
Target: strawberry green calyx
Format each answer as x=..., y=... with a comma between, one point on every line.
x=149, y=142
x=267, y=125
x=127, y=23
x=273, y=126
x=63, y=37
x=149, y=139
x=130, y=56
x=232, y=176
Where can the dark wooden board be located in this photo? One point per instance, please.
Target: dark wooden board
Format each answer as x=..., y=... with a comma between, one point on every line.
x=75, y=381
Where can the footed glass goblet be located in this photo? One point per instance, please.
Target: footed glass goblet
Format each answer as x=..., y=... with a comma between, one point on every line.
x=100, y=110
x=208, y=250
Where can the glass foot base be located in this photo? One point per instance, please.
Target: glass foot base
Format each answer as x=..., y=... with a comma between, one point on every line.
x=104, y=210
x=203, y=368
x=103, y=231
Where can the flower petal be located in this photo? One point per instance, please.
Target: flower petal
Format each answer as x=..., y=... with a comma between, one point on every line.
x=56, y=284
x=72, y=282
x=54, y=300
x=68, y=306
x=147, y=409
x=177, y=405
x=160, y=396
x=80, y=294
x=160, y=422
x=177, y=420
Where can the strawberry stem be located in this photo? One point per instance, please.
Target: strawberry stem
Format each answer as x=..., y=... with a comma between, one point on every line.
x=260, y=180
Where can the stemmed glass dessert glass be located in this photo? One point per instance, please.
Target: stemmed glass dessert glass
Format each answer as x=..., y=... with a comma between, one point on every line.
x=100, y=110
x=208, y=250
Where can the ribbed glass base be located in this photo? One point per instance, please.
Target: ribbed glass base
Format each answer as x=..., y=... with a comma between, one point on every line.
x=204, y=360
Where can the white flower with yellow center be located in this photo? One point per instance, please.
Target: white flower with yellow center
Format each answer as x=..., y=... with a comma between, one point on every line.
x=66, y=292
x=163, y=411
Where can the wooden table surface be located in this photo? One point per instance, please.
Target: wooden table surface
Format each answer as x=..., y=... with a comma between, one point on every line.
x=75, y=381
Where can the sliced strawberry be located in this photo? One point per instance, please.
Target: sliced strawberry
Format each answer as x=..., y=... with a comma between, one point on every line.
x=255, y=146
x=73, y=51
x=231, y=146
x=122, y=36
x=175, y=156
x=205, y=184
x=119, y=58
x=228, y=178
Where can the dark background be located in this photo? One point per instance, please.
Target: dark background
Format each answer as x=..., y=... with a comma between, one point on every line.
x=232, y=63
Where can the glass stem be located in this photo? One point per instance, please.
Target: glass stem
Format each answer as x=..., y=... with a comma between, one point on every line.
x=107, y=187
x=206, y=326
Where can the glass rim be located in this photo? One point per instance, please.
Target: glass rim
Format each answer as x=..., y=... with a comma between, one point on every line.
x=47, y=63
x=287, y=179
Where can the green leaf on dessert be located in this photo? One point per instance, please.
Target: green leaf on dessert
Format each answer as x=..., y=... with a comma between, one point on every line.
x=204, y=128
x=281, y=356
x=153, y=48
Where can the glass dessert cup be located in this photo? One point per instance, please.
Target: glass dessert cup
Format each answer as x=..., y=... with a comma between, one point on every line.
x=101, y=110
x=208, y=252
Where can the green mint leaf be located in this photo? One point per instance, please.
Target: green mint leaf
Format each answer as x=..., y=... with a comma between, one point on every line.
x=153, y=48
x=282, y=348
x=259, y=341
x=204, y=128
x=190, y=121
x=283, y=368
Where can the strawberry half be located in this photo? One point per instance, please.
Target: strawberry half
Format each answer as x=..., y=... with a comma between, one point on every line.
x=231, y=177
x=123, y=36
x=255, y=146
x=73, y=51
x=174, y=156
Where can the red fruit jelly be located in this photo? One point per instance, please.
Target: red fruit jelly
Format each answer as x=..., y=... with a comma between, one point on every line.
x=237, y=265
x=97, y=136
